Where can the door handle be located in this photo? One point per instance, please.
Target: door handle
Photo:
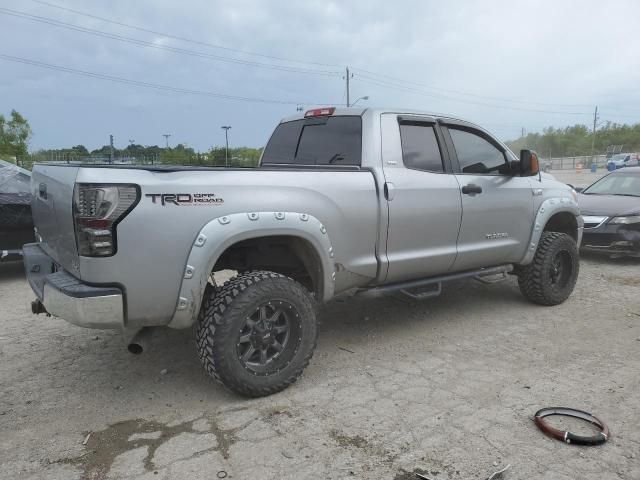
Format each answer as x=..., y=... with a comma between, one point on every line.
x=471, y=189
x=388, y=190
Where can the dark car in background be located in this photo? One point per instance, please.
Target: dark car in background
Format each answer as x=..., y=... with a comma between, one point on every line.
x=16, y=224
x=610, y=208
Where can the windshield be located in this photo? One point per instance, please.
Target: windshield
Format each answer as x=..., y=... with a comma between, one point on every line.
x=616, y=184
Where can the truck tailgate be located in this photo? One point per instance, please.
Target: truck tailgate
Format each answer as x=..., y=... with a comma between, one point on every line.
x=52, y=209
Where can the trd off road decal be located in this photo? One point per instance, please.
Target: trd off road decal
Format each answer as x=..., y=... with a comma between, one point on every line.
x=185, y=199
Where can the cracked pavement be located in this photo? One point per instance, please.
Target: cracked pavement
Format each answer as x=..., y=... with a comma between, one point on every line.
x=447, y=387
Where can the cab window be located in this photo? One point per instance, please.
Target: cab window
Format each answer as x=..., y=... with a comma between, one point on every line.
x=477, y=155
x=420, y=149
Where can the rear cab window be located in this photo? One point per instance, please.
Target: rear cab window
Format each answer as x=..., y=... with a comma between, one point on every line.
x=420, y=149
x=330, y=140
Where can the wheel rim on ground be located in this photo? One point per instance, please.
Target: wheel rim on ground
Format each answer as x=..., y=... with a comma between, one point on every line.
x=269, y=338
x=561, y=269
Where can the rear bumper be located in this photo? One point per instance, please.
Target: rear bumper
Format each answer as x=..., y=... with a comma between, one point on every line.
x=66, y=297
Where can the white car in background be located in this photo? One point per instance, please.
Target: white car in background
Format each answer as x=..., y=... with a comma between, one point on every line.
x=621, y=160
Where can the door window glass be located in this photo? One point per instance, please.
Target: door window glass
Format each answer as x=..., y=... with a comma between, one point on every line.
x=420, y=148
x=475, y=154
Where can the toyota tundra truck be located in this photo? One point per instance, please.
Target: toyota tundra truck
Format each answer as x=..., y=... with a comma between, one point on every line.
x=344, y=199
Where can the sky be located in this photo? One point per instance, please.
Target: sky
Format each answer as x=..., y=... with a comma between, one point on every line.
x=187, y=68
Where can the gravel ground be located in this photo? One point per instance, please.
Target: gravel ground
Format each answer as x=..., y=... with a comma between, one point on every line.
x=582, y=179
x=446, y=386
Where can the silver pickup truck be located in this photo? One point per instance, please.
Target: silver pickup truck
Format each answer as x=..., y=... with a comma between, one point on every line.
x=368, y=200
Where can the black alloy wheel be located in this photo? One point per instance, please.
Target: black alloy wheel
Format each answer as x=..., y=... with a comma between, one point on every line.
x=269, y=337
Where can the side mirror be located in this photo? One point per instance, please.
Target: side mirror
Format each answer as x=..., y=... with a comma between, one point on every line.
x=578, y=189
x=529, y=165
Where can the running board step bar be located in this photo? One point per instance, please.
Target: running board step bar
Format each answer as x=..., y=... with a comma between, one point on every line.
x=415, y=288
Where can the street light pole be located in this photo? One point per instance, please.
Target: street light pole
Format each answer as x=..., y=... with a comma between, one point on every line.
x=226, y=138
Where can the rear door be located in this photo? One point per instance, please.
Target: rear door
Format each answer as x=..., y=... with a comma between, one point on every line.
x=497, y=207
x=423, y=198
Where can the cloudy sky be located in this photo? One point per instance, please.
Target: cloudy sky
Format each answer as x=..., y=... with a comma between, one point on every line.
x=506, y=64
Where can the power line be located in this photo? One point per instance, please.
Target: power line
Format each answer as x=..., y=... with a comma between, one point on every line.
x=306, y=62
x=454, y=99
x=609, y=114
x=145, y=43
x=398, y=86
x=156, y=86
x=403, y=82
x=181, y=38
x=615, y=107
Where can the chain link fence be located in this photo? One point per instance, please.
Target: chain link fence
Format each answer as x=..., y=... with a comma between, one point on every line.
x=169, y=158
x=572, y=163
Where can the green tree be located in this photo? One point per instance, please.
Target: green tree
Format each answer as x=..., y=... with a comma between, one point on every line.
x=576, y=140
x=14, y=135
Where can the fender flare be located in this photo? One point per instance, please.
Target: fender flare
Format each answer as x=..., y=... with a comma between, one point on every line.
x=224, y=231
x=548, y=209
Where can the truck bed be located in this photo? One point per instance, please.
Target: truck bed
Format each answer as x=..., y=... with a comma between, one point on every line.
x=154, y=239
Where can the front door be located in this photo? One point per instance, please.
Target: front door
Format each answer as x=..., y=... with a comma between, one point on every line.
x=497, y=206
x=423, y=198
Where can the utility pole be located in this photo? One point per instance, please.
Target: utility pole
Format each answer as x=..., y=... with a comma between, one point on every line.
x=347, y=78
x=111, y=149
x=226, y=138
x=593, y=134
x=166, y=137
x=522, y=132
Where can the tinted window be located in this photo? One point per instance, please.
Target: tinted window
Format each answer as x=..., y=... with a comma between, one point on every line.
x=282, y=144
x=475, y=154
x=420, y=148
x=316, y=141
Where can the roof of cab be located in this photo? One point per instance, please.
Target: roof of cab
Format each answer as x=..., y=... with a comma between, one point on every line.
x=359, y=111
x=400, y=111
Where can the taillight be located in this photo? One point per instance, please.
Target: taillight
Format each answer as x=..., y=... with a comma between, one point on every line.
x=320, y=112
x=97, y=209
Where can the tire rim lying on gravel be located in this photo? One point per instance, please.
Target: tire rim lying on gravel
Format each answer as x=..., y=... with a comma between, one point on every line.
x=268, y=337
x=567, y=436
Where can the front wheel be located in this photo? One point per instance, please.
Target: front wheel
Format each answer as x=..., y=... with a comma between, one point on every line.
x=550, y=278
x=257, y=332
